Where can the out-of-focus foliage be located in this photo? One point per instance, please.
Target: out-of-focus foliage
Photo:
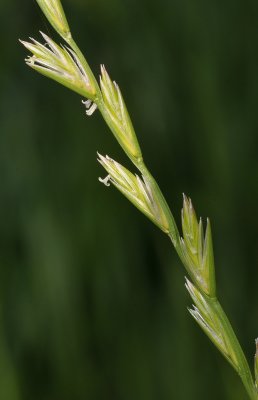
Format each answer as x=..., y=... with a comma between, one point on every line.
x=92, y=298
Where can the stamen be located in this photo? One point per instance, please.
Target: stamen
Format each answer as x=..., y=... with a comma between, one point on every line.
x=91, y=110
x=105, y=180
x=87, y=103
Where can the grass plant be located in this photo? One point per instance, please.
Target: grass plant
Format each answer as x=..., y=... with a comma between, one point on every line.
x=67, y=65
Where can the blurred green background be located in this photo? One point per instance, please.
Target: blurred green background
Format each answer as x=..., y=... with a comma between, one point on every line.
x=92, y=297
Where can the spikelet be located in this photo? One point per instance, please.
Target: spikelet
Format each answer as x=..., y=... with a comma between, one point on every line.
x=137, y=190
x=54, y=12
x=197, y=249
x=117, y=116
x=208, y=316
x=61, y=64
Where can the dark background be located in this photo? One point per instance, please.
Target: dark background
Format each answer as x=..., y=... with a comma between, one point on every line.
x=92, y=297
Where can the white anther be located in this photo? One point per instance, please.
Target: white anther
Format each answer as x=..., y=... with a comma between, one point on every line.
x=91, y=110
x=105, y=180
x=90, y=106
x=87, y=103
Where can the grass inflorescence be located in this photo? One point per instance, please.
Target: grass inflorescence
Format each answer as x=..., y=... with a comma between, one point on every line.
x=67, y=65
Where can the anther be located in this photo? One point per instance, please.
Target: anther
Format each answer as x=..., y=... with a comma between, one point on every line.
x=105, y=180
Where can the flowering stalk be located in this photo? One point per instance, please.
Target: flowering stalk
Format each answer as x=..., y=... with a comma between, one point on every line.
x=68, y=66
